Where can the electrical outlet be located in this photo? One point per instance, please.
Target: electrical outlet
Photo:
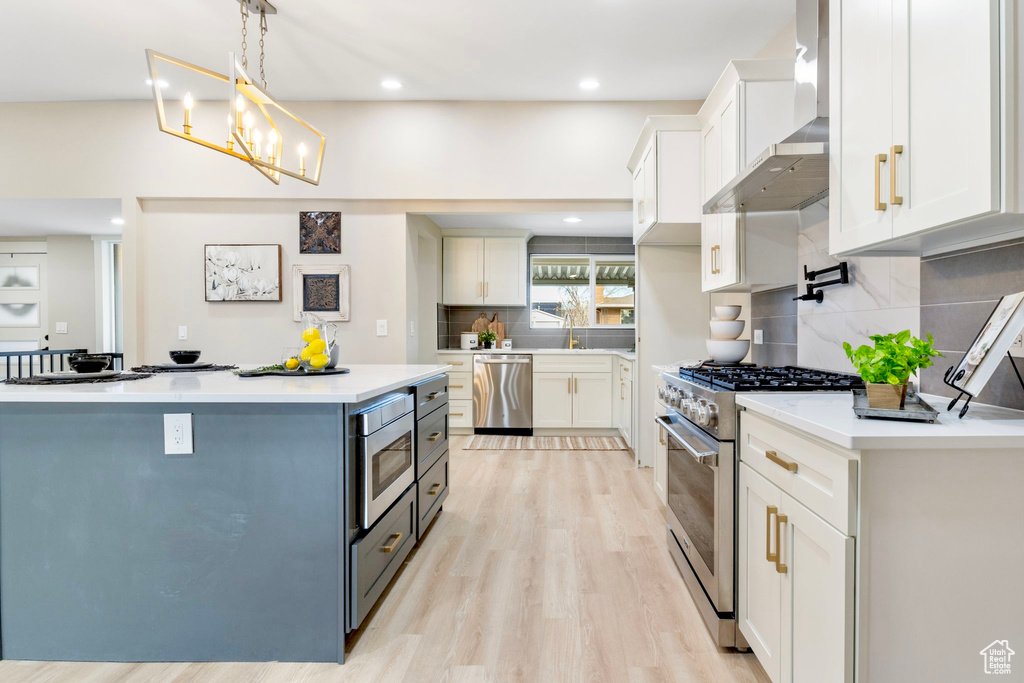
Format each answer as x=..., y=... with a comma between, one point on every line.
x=382, y=328
x=62, y=328
x=1017, y=348
x=182, y=332
x=412, y=328
x=759, y=336
x=178, y=433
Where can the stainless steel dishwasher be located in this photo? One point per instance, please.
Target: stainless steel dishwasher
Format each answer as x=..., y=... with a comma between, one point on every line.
x=503, y=392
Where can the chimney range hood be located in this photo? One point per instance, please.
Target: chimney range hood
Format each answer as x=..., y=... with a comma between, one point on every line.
x=793, y=173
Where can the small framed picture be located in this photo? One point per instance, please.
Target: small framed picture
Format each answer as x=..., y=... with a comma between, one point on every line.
x=319, y=232
x=324, y=290
x=990, y=346
x=243, y=272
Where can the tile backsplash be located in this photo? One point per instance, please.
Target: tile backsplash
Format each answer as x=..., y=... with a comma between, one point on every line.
x=453, y=320
x=959, y=291
x=774, y=313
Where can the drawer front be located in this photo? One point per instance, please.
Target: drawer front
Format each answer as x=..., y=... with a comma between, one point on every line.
x=824, y=480
x=461, y=414
x=625, y=370
x=431, y=439
x=431, y=395
x=460, y=362
x=460, y=386
x=377, y=556
x=433, y=489
x=570, y=363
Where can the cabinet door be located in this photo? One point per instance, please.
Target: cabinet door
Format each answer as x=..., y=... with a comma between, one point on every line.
x=504, y=271
x=729, y=138
x=729, y=255
x=592, y=399
x=817, y=598
x=463, y=271
x=650, y=212
x=626, y=412
x=710, y=245
x=760, y=583
x=945, y=112
x=711, y=161
x=861, y=111
x=552, y=399
x=638, y=202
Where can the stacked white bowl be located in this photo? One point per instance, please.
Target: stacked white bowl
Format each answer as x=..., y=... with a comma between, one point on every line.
x=725, y=346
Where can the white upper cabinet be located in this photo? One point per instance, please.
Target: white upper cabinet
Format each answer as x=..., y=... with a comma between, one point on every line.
x=923, y=135
x=750, y=108
x=666, y=181
x=484, y=270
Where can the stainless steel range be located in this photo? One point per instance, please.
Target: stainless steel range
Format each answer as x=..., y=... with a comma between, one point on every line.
x=700, y=425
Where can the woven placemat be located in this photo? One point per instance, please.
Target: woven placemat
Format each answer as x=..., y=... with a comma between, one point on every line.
x=156, y=369
x=123, y=377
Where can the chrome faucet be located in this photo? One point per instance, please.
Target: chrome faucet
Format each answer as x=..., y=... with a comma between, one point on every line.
x=572, y=342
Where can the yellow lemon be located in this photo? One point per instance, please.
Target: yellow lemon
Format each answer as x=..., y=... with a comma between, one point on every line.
x=309, y=334
x=291, y=363
x=318, y=345
x=307, y=353
x=319, y=360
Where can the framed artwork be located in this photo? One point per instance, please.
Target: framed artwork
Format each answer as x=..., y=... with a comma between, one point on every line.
x=319, y=232
x=243, y=272
x=19, y=277
x=324, y=290
x=990, y=346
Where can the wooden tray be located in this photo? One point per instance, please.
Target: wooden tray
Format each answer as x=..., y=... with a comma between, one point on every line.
x=294, y=373
x=915, y=409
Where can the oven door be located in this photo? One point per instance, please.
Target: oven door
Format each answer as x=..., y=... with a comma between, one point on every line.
x=386, y=458
x=700, y=505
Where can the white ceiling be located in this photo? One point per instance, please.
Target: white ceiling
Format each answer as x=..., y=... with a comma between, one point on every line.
x=439, y=49
x=42, y=217
x=594, y=224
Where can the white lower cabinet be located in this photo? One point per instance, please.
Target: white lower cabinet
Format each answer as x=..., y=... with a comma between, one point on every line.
x=552, y=400
x=795, y=586
x=591, y=399
x=572, y=399
x=624, y=410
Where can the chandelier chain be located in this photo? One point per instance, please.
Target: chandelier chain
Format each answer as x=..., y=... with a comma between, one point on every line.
x=263, y=33
x=245, y=15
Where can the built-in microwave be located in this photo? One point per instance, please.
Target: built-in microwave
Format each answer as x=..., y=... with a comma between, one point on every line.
x=386, y=454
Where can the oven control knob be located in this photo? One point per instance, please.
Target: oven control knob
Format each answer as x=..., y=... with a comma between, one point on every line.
x=661, y=393
x=712, y=415
x=702, y=414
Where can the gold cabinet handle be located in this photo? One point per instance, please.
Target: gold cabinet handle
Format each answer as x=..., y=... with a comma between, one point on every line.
x=569, y=380
x=455, y=386
x=455, y=362
x=487, y=289
x=575, y=386
x=457, y=414
x=433, y=394
x=622, y=386
x=768, y=554
x=894, y=151
x=879, y=160
x=661, y=436
x=434, y=437
x=781, y=462
x=640, y=211
x=395, y=538
x=780, y=566
x=434, y=489
x=480, y=289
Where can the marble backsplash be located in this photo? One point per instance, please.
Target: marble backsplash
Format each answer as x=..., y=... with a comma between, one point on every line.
x=884, y=295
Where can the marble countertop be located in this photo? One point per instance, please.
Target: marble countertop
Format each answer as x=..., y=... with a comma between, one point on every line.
x=363, y=382
x=830, y=417
x=621, y=353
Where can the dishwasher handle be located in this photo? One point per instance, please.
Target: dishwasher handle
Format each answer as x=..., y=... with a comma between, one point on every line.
x=503, y=361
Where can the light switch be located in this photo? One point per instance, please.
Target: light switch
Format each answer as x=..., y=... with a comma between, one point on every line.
x=1017, y=348
x=382, y=328
x=412, y=328
x=759, y=336
x=182, y=332
x=62, y=328
x=177, y=433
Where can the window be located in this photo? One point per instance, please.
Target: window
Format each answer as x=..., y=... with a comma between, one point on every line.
x=584, y=291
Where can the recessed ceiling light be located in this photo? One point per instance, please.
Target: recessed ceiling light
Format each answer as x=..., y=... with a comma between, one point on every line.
x=161, y=82
x=391, y=84
x=589, y=84
x=117, y=221
x=573, y=219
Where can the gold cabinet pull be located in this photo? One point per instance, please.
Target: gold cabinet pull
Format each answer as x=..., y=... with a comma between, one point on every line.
x=894, y=151
x=784, y=464
x=455, y=362
x=487, y=289
x=455, y=386
x=768, y=554
x=780, y=566
x=879, y=160
x=395, y=538
x=434, y=437
x=457, y=414
x=434, y=489
x=569, y=380
x=433, y=394
x=661, y=436
x=480, y=289
x=575, y=386
x=640, y=212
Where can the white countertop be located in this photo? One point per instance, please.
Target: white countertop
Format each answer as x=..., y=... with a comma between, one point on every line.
x=621, y=353
x=363, y=382
x=830, y=417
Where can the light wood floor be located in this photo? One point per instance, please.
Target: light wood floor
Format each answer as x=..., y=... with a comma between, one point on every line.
x=543, y=566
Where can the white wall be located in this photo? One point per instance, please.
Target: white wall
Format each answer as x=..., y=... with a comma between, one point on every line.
x=423, y=288
x=71, y=291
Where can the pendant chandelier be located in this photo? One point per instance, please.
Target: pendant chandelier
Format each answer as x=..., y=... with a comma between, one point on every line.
x=250, y=111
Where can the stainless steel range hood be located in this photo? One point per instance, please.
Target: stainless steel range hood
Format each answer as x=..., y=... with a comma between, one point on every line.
x=793, y=173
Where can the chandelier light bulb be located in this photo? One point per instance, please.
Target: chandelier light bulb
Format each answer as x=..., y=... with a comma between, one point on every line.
x=272, y=146
x=256, y=138
x=302, y=158
x=231, y=124
x=247, y=119
x=189, y=102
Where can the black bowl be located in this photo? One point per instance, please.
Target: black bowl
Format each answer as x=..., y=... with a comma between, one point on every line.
x=89, y=362
x=185, y=357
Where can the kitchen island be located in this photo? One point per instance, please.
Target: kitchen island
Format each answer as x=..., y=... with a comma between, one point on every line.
x=113, y=550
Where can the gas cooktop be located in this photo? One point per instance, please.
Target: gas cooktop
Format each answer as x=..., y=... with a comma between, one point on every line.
x=782, y=378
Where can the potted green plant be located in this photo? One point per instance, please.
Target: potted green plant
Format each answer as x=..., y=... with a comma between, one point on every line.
x=487, y=338
x=887, y=367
